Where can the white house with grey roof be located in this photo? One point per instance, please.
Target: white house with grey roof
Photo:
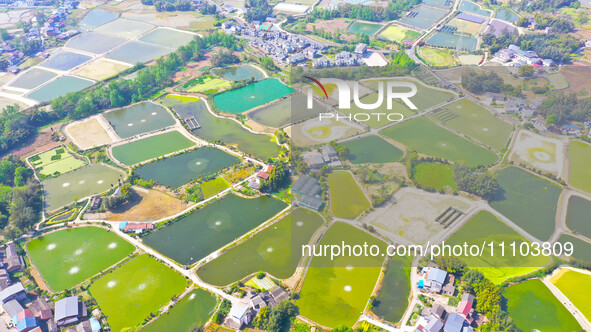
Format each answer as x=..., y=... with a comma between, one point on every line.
x=69, y=310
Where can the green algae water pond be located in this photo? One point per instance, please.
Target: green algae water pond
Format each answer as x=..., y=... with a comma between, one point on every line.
x=239, y=73
x=138, y=119
x=204, y=231
x=228, y=131
x=251, y=96
x=179, y=169
x=151, y=147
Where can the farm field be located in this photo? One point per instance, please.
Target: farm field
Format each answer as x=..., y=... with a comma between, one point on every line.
x=56, y=161
x=434, y=175
x=168, y=37
x=210, y=85
x=472, y=120
x=374, y=121
x=226, y=130
x=79, y=252
x=464, y=26
x=515, y=201
x=392, y=298
x=423, y=17
x=32, y=78
x=336, y=292
x=59, y=87
x=285, y=111
x=445, y=4
x=347, y=200
x=485, y=226
x=130, y=293
x=506, y=14
x=101, y=69
x=94, y=42
x=97, y=17
x=577, y=218
x=582, y=249
x=532, y=306
x=471, y=7
x=146, y=205
x=580, y=165
x=544, y=153
x=576, y=286
x=368, y=29
x=204, y=231
x=269, y=251
x=62, y=190
x=138, y=119
x=313, y=131
x=451, y=41
x=195, y=308
x=399, y=34
x=137, y=51
x=177, y=170
x=151, y=147
x=65, y=61
x=372, y=150
x=240, y=72
x=557, y=81
x=125, y=28
x=88, y=133
x=212, y=187
x=436, y=96
x=436, y=57
x=413, y=217
x=251, y=96
x=439, y=142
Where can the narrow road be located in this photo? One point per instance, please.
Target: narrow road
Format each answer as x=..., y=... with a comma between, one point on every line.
x=585, y=324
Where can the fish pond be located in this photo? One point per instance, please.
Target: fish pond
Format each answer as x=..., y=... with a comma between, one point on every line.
x=97, y=17
x=168, y=37
x=577, y=217
x=61, y=86
x=251, y=96
x=32, y=78
x=151, y=147
x=65, y=61
x=182, y=168
x=286, y=111
x=240, y=73
x=368, y=29
x=79, y=252
x=206, y=230
x=138, y=119
x=95, y=42
x=225, y=130
x=269, y=250
x=137, y=51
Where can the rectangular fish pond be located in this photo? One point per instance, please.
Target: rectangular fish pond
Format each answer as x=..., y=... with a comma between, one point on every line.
x=251, y=96
x=60, y=87
x=204, y=231
x=138, y=119
x=177, y=170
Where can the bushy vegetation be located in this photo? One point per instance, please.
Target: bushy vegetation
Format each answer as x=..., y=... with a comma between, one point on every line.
x=169, y=5
x=548, y=46
x=115, y=201
x=257, y=10
x=478, y=182
x=561, y=108
x=278, y=179
x=548, y=5
x=481, y=82
x=275, y=319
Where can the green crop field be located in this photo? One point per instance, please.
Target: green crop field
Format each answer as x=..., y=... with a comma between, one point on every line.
x=576, y=286
x=580, y=165
x=133, y=291
x=523, y=196
x=392, y=299
x=436, y=96
x=533, y=307
x=486, y=227
x=474, y=121
x=151, y=147
x=195, y=308
x=347, y=200
x=56, y=161
x=336, y=291
x=436, y=57
x=434, y=175
x=212, y=187
x=399, y=34
x=210, y=85
x=424, y=136
x=577, y=218
x=372, y=150
x=269, y=251
x=78, y=252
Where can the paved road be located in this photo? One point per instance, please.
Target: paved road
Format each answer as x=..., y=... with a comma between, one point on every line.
x=585, y=324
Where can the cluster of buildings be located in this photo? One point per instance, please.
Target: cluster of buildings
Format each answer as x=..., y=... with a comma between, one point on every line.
x=343, y=59
x=135, y=227
x=514, y=105
x=438, y=318
x=576, y=130
x=283, y=47
x=261, y=175
x=514, y=56
x=244, y=311
x=308, y=193
x=55, y=26
x=326, y=156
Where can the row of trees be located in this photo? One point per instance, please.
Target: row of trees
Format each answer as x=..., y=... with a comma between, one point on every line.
x=394, y=10
x=169, y=5
x=478, y=182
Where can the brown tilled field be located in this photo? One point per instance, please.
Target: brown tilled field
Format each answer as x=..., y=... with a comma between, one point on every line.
x=148, y=205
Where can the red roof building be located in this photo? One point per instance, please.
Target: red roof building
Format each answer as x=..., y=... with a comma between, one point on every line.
x=464, y=308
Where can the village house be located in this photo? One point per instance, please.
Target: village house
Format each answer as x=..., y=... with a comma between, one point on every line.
x=135, y=227
x=69, y=311
x=15, y=291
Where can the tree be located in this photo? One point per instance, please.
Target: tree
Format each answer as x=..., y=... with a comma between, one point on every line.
x=278, y=178
x=482, y=183
x=273, y=320
x=526, y=71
